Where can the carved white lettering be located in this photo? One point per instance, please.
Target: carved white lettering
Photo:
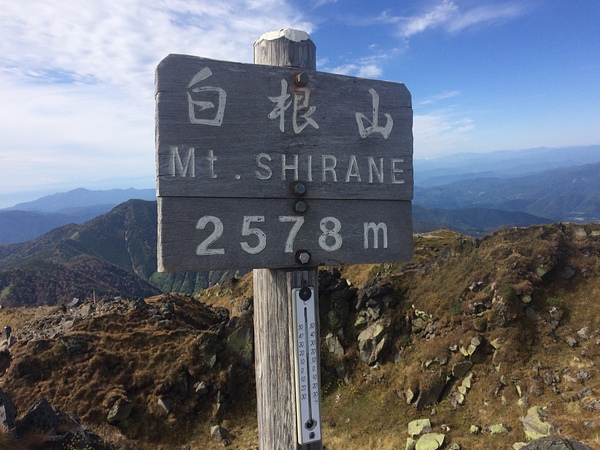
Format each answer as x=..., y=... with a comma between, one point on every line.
x=309, y=169
x=211, y=158
x=300, y=102
x=396, y=170
x=329, y=168
x=374, y=124
x=375, y=228
x=352, y=170
x=285, y=167
x=268, y=173
x=328, y=163
x=373, y=169
x=196, y=106
x=178, y=168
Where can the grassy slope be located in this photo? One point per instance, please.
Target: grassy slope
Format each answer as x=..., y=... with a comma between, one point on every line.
x=449, y=277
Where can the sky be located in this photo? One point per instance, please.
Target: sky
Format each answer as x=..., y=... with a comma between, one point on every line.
x=77, y=78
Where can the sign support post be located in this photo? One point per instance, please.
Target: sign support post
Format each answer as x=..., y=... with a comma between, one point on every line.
x=273, y=324
x=276, y=166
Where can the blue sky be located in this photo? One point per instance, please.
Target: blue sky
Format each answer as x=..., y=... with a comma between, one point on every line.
x=77, y=99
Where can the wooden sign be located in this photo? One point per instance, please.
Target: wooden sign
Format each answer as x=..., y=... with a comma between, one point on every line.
x=216, y=233
x=257, y=163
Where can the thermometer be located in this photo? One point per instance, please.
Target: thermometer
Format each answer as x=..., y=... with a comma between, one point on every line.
x=306, y=362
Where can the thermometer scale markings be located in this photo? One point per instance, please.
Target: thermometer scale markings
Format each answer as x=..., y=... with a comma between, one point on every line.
x=306, y=365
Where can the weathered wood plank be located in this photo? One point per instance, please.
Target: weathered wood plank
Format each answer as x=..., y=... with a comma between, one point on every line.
x=224, y=130
x=274, y=360
x=274, y=49
x=267, y=233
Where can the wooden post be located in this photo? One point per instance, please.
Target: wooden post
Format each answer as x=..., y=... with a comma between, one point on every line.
x=273, y=326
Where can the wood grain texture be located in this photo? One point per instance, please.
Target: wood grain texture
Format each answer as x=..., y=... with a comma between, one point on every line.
x=279, y=52
x=179, y=236
x=274, y=361
x=250, y=155
x=273, y=328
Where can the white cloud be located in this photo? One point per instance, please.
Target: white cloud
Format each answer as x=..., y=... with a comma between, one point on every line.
x=77, y=97
x=436, y=98
x=440, y=132
x=358, y=70
x=318, y=3
x=439, y=15
x=452, y=17
x=120, y=41
x=484, y=14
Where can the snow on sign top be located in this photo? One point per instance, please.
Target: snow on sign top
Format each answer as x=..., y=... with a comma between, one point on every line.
x=292, y=35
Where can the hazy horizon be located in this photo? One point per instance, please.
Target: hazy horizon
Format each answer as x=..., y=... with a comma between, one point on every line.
x=13, y=199
x=77, y=103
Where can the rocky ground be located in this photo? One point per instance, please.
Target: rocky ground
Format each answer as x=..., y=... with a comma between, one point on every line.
x=475, y=344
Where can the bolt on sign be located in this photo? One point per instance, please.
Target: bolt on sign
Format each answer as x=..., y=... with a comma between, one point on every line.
x=277, y=167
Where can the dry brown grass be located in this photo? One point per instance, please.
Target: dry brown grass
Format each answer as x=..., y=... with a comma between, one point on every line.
x=133, y=358
x=33, y=441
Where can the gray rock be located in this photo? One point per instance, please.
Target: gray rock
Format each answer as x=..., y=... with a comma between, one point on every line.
x=532, y=314
x=555, y=443
x=571, y=341
x=430, y=391
x=202, y=388
x=87, y=310
x=165, y=404
x=119, y=412
x=75, y=344
x=460, y=369
x=41, y=417
x=430, y=441
x=8, y=412
x=218, y=433
x=334, y=346
x=418, y=427
x=241, y=342
x=534, y=425
x=498, y=429
x=337, y=351
x=584, y=333
x=374, y=341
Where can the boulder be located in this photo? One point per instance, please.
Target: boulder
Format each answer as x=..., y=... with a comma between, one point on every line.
x=374, y=341
x=119, y=412
x=202, y=388
x=337, y=354
x=241, y=343
x=498, y=429
x=41, y=417
x=418, y=427
x=430, y=441
x=555, y=443
x=534, y=425
x=431, y=388
x=460, y=369
x=165, y=404
x=8, y=413
x=218, y=433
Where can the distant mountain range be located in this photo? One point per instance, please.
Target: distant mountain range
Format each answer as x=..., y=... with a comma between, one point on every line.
x=27, y=221
x=83, y=242
x=569, y=194
x=501, y=164
x=78, y=200
x=458, y=192
x=112, y=254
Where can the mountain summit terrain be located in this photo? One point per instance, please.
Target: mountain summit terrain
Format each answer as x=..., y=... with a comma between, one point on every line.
x=487, y=343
